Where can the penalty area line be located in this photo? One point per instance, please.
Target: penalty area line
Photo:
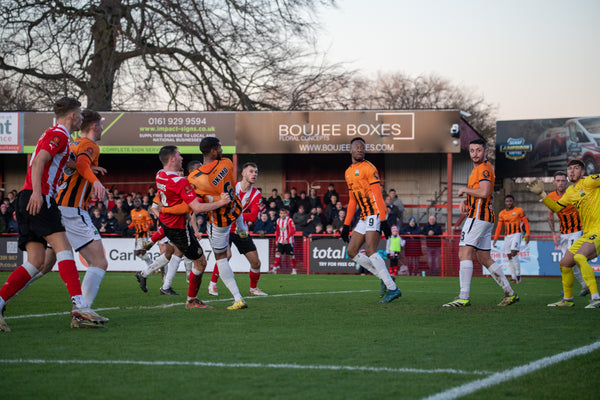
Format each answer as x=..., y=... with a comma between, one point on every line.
x=248, y=365
x=512, y=373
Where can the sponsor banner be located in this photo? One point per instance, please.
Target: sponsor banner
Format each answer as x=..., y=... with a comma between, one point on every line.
x=540, y=147
x=330, y=256
x=119, y=253
x=331, y=132
x=536, y=258
x=11, y=134
x=322, y=132
x=10, y=255
x=147, y=132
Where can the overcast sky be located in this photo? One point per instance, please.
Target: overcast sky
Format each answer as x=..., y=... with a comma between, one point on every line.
x=531, y=58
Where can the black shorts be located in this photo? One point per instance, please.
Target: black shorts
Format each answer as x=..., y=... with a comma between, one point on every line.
x=33, y=228
x=244, y=245
x=285, y=249
x=185, y=241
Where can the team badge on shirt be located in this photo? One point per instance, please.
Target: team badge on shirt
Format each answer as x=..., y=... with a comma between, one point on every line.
x=356, y=172
x=55, y=142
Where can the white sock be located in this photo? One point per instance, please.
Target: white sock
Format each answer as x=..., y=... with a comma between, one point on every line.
x=465, y=274
x=498, y=275
x=160, y=262
x=517, y=262
x=171, y=271
x=91, y=284
x=187, y=263
x=578, y=276
x=226, y=274
x=365, y=262
x=513, y=268
x=383, y=272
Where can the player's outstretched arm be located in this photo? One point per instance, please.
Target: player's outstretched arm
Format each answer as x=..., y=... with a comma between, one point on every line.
x=198, y=207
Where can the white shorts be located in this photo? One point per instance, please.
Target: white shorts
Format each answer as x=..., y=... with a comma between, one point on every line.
x=370, y=223
x=512, y=243
x=476, y=233
x=78, y=224
x=218, y=237
x=567, y=240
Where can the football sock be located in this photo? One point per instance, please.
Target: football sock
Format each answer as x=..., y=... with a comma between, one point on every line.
x=254, y=277
x=578, y=276
x=17, y=280
x=498, y=275
x=365, y=262
x=293, y=262
x=91, y=284
x=160, y=262
x=588, y=274
x=513, y=267
x=465, y=274
x=215, y=274
x=187, y=264
x=567, y=281
x=277, y=261
x=382, y=271
x=171, y=271
x=68, y=272
x=194, y=285
x=226, y=275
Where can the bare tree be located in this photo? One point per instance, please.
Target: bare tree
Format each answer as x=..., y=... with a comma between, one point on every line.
x=398, y=91
x=193, y=54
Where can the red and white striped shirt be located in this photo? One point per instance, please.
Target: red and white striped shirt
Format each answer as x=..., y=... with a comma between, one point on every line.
x=251, y=204
x=56, y=142
x=285, y=230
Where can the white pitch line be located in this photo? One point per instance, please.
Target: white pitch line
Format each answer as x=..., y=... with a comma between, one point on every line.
x=250, y=365
x=180, y=304
x=512, y=373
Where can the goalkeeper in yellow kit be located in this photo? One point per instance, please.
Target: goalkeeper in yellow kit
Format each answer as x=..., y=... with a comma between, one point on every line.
x=584, y=195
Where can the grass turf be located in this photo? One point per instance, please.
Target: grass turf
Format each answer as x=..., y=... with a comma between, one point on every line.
x=322, y=336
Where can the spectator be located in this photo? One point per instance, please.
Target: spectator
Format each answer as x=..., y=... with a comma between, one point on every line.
x=330, y=192
x=110, y=201
x=273, y=216
x=287, y=200
x=330, y=211
x=100, y=206
x=11, y=197
x=434, y=244
x=276, y=198
x=112, y=224
x=151, y=192
x=412, y=250
x=128, y=203
x=264, y=225
x=303, y=201
x=120, y=212
x=5, y=218
x=315, y=201
x=293, y=200
x=393, y=213
x=318, y=232
x=338, y=222
x=93, y=200
x=146, y=202
x=98, y=220
x=201, y=223
x=273, y=206
x=398, y=203
x=329, y=229
x=311, y=223
x=320, y=216
x=300, y=218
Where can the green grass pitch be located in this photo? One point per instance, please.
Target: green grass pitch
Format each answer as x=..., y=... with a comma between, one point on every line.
x=314, y=337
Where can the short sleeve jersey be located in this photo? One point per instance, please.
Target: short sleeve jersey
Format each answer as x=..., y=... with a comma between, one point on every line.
x=172, y=190
x=285, y=231
x=56, y=142
x=568, y=217
x=511, y=219
x=74, y=191
x=585, y=197
x=481, y=208
x=251, y=203
x=212, y=179
x=360, y=177
x=141, y=221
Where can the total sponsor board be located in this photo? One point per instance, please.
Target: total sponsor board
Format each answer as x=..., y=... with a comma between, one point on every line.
x=330, y=256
